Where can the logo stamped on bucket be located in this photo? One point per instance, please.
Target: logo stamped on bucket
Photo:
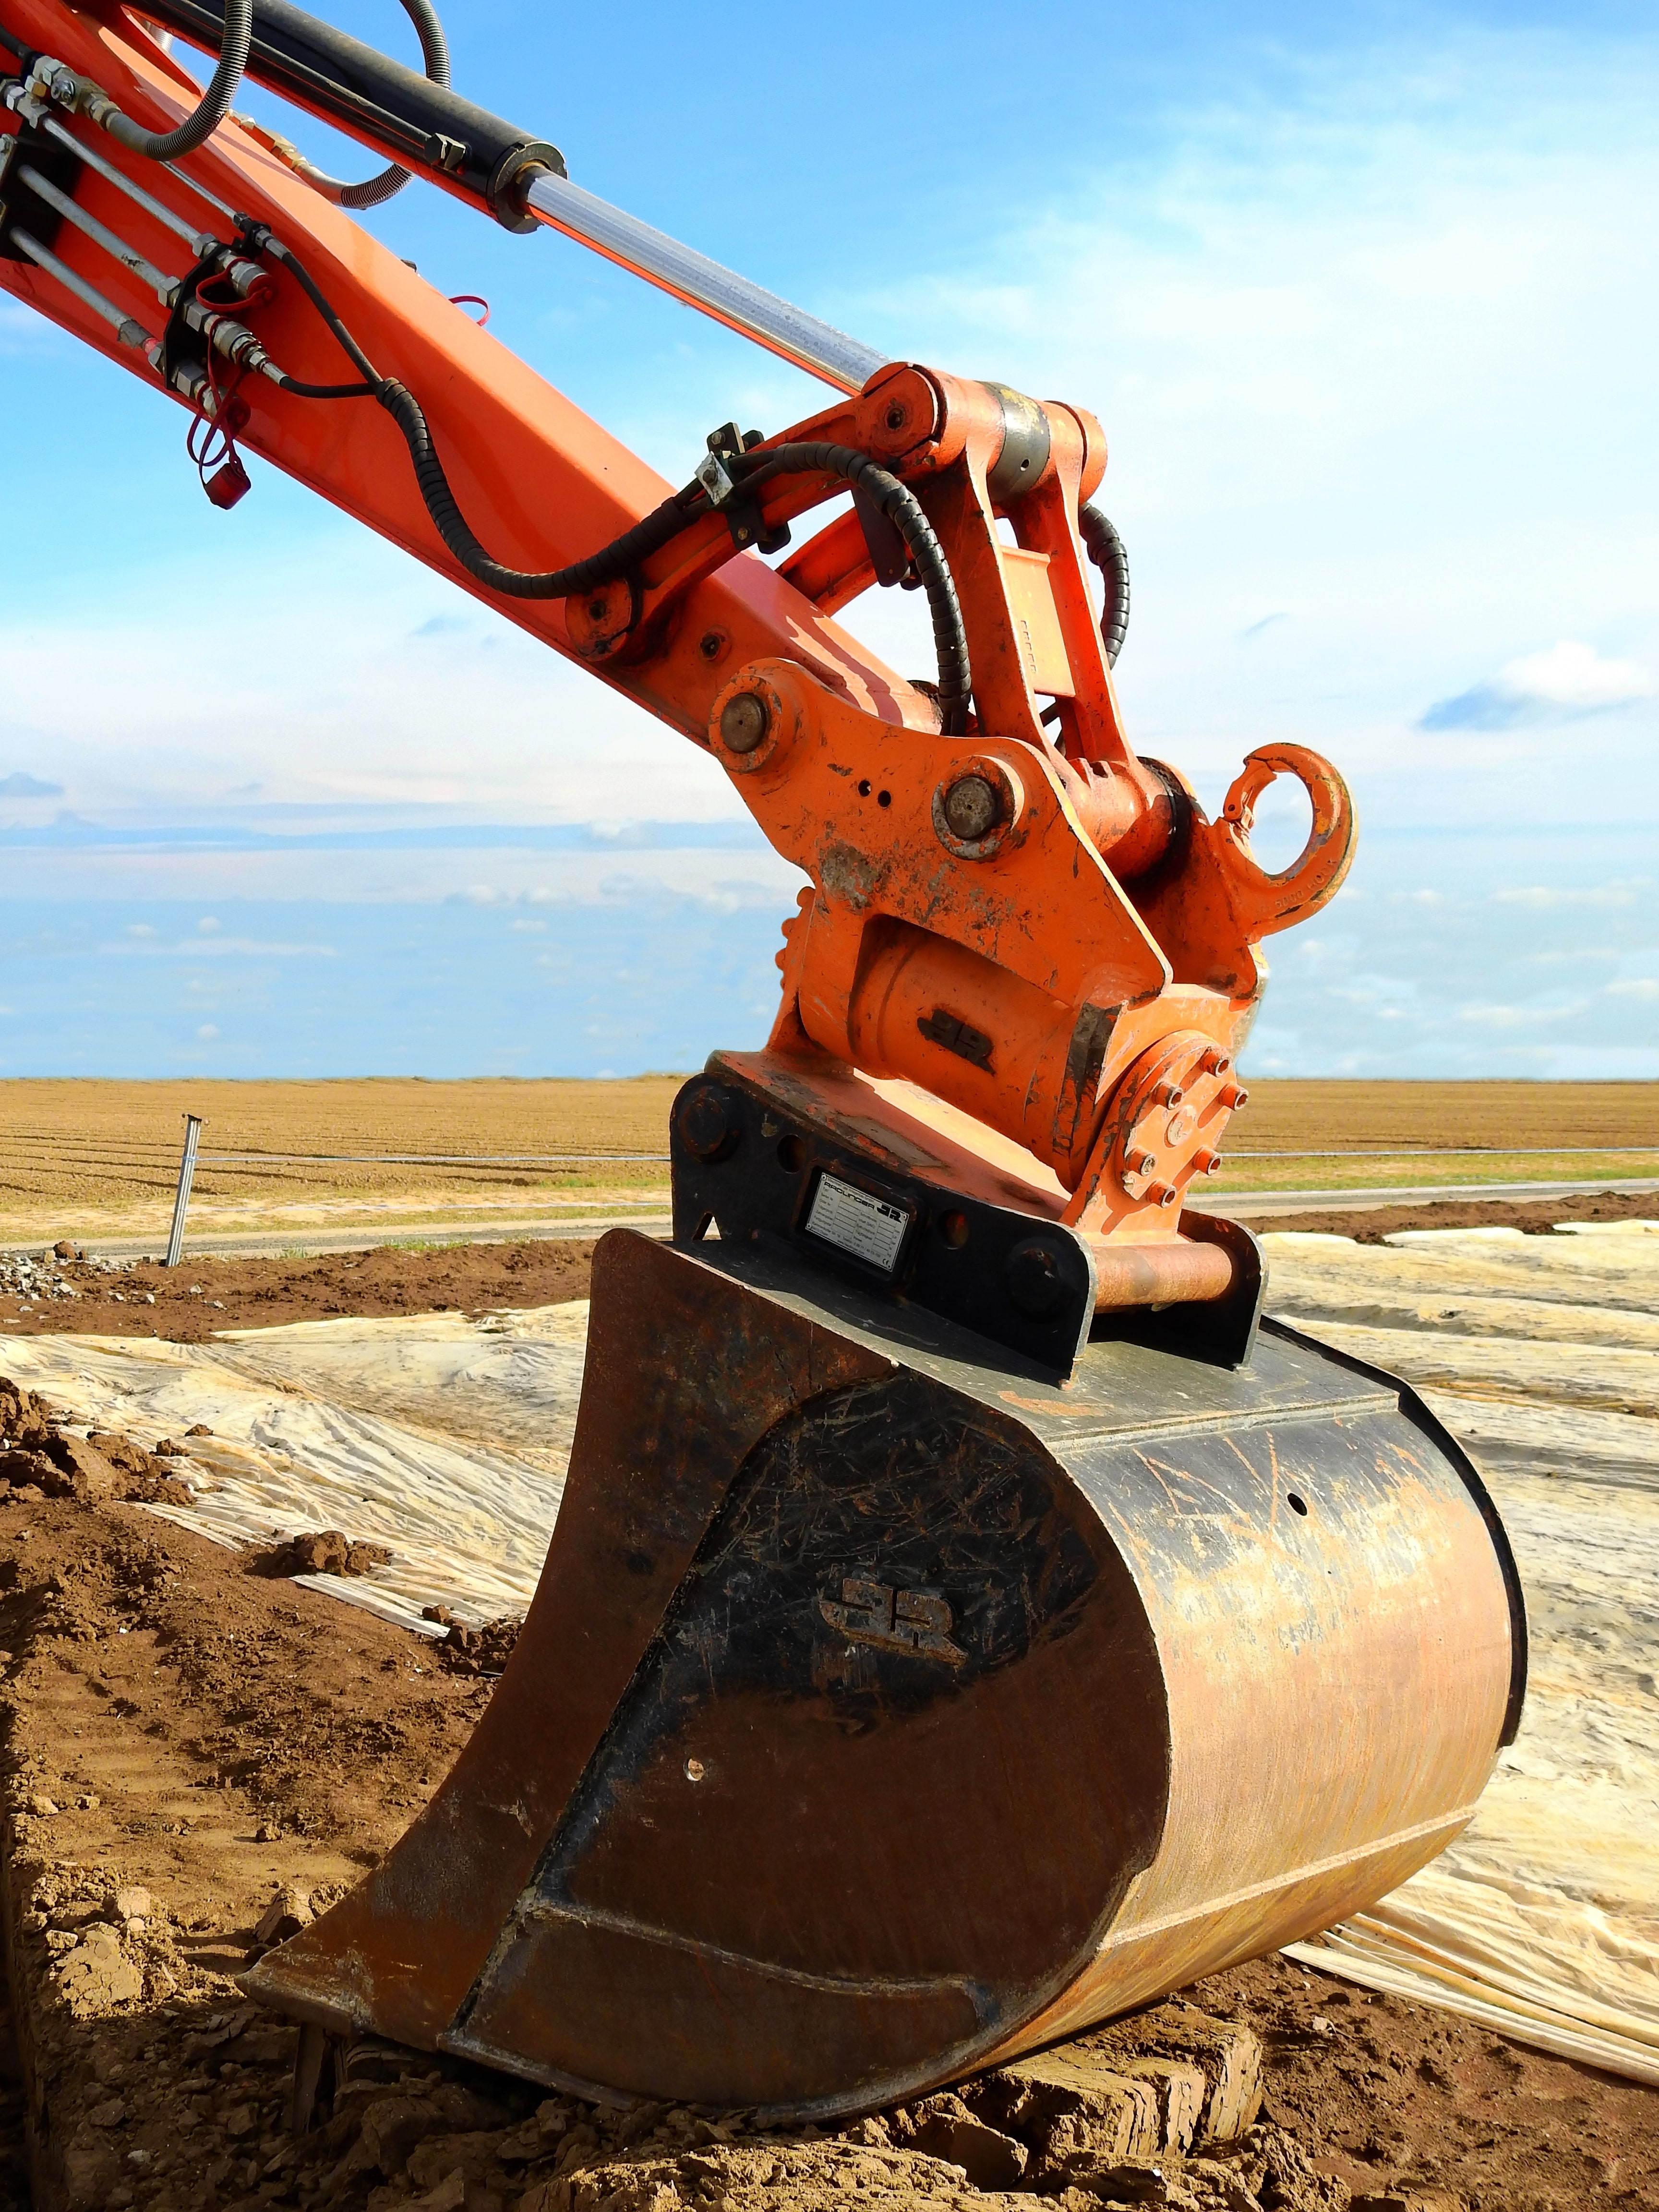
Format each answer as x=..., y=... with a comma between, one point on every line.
x=918, y=1621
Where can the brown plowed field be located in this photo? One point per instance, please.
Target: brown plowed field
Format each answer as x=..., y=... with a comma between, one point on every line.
x=101, y=1158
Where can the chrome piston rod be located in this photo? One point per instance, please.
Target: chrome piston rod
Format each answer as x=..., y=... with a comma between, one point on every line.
x=747, y=309
x=407, y=118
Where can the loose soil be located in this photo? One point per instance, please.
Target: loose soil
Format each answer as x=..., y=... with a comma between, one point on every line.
x=190, y=1303
x=196, y=1755
x=1533, y=1217
x=187, y=1304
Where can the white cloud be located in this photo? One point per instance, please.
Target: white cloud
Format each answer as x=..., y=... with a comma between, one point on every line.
x=1567, y=895
x=1320, y=329
x=1522, y=1017
x=1568, y=681
x=207, y=1031
x=1374, y=345
x=344, y=706
x=232, y=948
x=1577, y=677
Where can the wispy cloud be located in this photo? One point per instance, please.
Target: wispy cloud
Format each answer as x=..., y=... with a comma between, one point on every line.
x=1568, y=681
x=214, y=948
x=1568, y=895
x=1522, y=1017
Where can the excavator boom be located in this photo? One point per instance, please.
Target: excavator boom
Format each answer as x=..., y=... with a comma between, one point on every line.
x=967, y=1618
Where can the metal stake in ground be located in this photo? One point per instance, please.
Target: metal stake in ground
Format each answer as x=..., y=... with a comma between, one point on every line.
x=181, y=1202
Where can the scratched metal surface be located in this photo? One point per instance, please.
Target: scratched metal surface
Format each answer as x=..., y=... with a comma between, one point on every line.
x=885, y=1706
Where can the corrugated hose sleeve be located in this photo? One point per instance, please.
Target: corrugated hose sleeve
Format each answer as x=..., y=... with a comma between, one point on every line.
x=386, y=183
x=214, y=105
x=903, y=510
x=608, y=566
x=1105, y=549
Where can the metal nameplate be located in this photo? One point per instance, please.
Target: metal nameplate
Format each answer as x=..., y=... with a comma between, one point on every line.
x=872, y=1229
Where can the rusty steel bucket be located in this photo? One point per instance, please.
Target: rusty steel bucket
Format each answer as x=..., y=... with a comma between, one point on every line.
x=886, y=1709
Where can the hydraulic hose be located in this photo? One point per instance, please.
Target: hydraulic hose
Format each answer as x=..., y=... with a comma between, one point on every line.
x=618, y=560
x=608, y=566
x=260, y=239
x=1105, y=549
x=375, y=190
x=214, y=104
x=903, y=510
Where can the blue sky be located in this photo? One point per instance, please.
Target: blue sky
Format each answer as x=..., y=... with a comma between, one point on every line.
x=1366, y=299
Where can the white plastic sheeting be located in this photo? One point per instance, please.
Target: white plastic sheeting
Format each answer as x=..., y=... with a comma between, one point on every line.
x=443, y=1437
x=447, y=1439
x=1542, y=1355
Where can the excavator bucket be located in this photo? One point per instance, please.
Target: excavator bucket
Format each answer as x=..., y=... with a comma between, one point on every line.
x=889, y=1707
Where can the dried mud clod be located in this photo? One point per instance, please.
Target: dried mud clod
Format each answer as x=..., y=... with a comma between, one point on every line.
x=40, y=1453
x=319, y=1552
x=397, y=2129
x=479, y=1651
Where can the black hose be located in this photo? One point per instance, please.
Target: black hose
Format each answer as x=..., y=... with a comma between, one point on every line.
x=260, y=240
x=1105, y=549
x=214, y=104
x=326, y=391
x=375, y=190
x=903, y=510
x=608, y=566
x=612, y=563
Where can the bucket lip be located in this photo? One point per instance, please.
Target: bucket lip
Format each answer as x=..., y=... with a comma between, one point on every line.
x=1419, y=1414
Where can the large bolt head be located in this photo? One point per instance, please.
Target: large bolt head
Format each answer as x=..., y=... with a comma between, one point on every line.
x=707, y=1125
x=1034, y=1283
x=971, y=808
x=743, y=722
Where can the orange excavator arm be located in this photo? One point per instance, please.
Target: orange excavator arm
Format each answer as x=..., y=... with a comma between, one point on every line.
x=957, y=1626
x=1021, y=935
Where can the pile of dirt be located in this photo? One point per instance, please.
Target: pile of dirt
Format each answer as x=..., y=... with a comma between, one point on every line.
x=40, y=1458
x=319, y=1552
x=485, y=1649
x=1533, y=1217
x=197, y=1759
x=186, y=1304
